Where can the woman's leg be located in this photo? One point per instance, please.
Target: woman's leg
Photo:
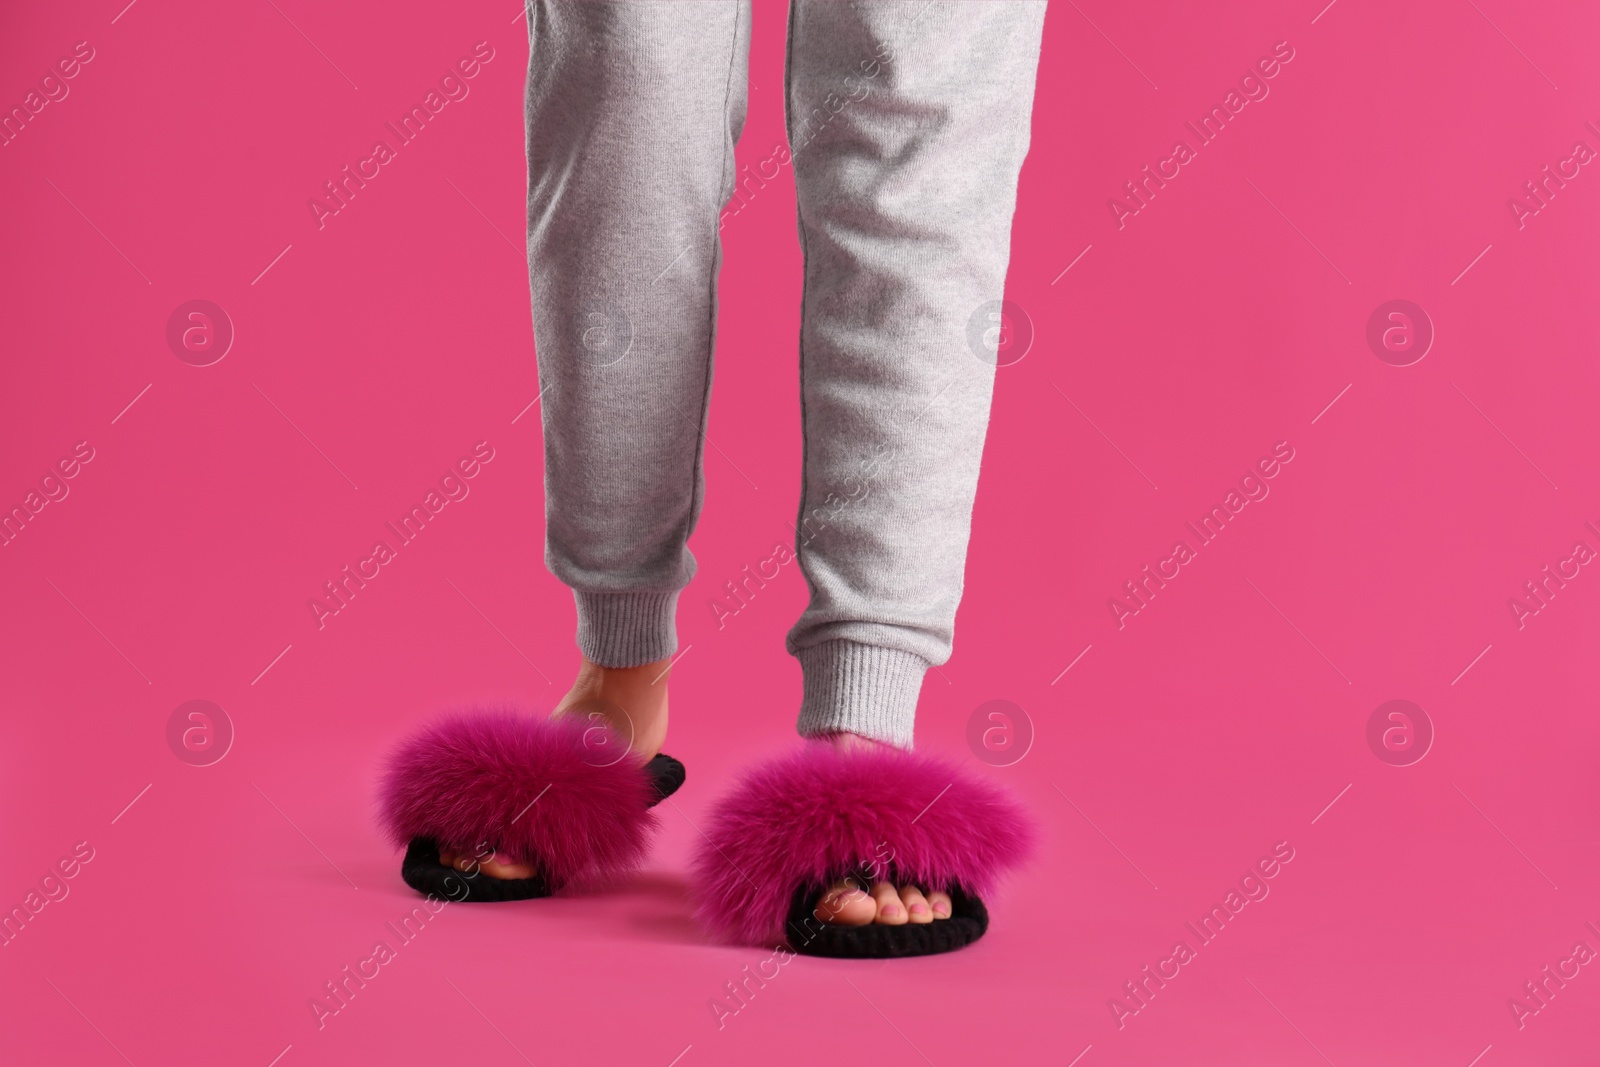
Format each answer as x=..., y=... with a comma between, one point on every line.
x=632, y=114
x=908, y=123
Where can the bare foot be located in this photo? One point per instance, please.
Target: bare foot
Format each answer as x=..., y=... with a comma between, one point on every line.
x=847, y=903
x=631, y=701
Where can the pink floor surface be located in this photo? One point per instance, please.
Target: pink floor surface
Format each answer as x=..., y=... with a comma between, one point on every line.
x=1442, y=903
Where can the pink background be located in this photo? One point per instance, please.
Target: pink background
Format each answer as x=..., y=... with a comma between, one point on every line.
x=1224, y=718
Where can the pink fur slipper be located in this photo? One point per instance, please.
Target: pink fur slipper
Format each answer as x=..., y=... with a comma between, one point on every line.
x=551, y=793
x=799, y=823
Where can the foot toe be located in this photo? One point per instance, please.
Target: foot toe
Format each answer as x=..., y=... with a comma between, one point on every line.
x=502, y=866
x=891, y=912
x=940, y=903
x=844, y=904
x=917, y=907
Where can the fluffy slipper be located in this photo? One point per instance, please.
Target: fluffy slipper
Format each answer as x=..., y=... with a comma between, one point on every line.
x=549, y=793
x=800, y=823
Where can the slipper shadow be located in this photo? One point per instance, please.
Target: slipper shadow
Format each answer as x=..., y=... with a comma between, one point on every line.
x=659, y=907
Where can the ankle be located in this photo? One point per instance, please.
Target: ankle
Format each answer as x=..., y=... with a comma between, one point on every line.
x=632, y=701
x=594, y=678
x=845, y=741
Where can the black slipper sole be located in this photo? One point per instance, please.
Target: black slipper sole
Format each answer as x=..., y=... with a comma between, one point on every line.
x=810, y=936
x=423, y=872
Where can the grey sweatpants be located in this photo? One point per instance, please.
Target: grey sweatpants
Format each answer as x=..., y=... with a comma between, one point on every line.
x=908, y=123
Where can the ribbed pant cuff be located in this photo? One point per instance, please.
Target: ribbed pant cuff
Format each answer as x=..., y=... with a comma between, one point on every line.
x=860, y=689
x=626, y=629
